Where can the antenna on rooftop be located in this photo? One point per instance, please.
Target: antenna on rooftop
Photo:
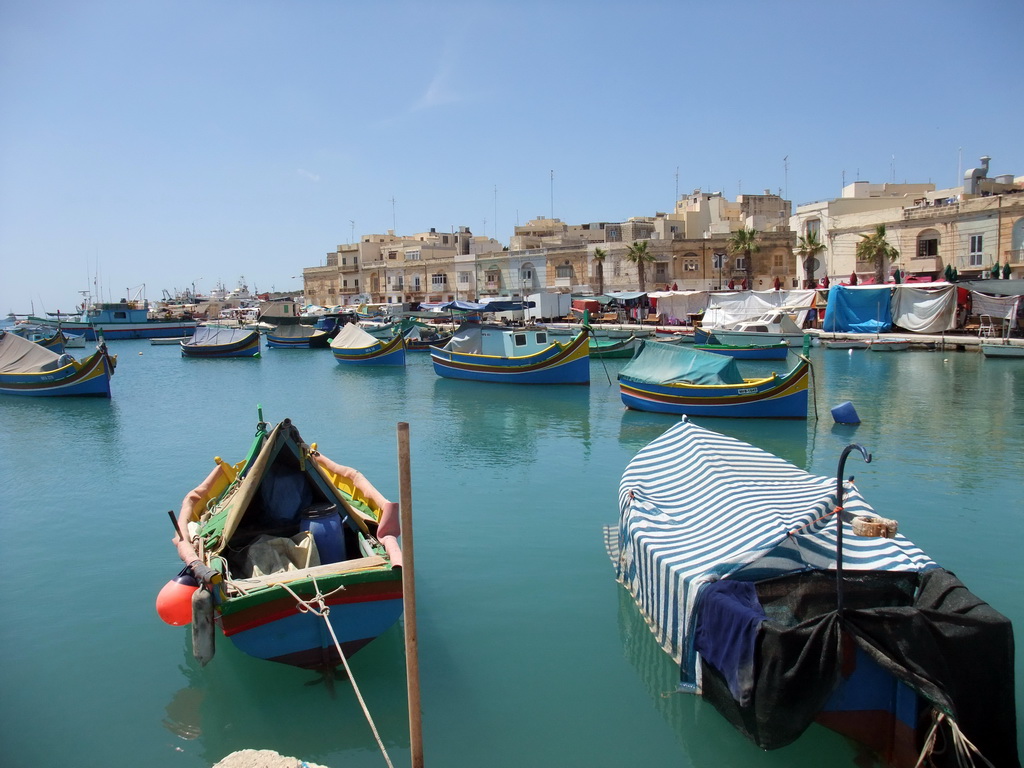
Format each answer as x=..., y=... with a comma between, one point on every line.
x=394, y=227
x=785, y=168
x=552, y=194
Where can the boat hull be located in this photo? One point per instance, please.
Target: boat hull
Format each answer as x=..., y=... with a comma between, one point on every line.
x=318, y=340
x=249, y=346
x=753, y=352
x=112, y=331
x=1002, y=350
x=776, y=397
x=745, y=338
x=900, y=345
x=556, y=364
x=271, y=626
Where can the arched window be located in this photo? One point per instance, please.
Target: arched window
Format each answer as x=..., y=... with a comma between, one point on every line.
x=928, y=244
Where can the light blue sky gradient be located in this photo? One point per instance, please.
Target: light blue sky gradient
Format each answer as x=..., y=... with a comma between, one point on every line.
x=165, y=143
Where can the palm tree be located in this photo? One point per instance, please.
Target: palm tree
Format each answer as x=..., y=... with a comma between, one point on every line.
x=876, y=249
x=639, y=254
x=808, y=247
x=745, y=241
x=599, y=256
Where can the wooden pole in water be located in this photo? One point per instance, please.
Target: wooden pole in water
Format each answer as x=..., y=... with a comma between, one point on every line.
x=412, y=664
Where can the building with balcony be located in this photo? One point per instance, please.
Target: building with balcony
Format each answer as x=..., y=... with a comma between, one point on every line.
x=970, y=228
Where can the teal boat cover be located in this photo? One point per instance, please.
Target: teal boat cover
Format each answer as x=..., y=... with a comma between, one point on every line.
x=660, y=363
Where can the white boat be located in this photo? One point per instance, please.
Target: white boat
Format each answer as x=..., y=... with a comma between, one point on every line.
x=1001, y=349
x=890, y=345
x=768, y=328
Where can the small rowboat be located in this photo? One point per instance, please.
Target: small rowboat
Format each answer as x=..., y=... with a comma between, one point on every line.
x=846, y=344
x=613, y=348
x=26, y=368
x=890, y=345
x=282, y=529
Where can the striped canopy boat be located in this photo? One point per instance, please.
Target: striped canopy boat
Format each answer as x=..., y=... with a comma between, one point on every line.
x=680, y=379
x=354, y=346
x=216, y=341
x=278, y=531
x=498, y=354
x=781, y=616
x=27, y=368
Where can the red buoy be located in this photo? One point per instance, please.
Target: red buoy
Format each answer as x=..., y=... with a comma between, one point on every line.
x=174, y=603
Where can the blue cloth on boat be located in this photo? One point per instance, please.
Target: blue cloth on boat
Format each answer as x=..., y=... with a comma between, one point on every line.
x=284, y=492
x=729, y=616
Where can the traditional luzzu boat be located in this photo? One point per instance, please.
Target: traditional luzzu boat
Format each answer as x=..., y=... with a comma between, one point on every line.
x=354, y=346
x=676, y=379
x=26, y=368
x=498, y=354
x=297, y=336
x=785, y=599
x=277, y=539
x=215, y=341
x=777, y=351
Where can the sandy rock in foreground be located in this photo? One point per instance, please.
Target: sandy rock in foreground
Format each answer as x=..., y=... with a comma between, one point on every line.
x=262, y=758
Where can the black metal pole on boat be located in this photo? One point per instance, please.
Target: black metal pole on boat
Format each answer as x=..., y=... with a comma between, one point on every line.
x=839, y=520
x=412, y=664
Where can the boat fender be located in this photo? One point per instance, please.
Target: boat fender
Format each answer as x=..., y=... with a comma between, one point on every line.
x=203, y=640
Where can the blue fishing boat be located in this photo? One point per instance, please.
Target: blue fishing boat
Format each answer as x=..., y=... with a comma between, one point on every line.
x=27, y=368
x=283, y=531
x=777, y=351
x=215, y=341
x=297, y=336
x=512, y=356
x=785, y=599
x=119, y=320
x=354, y=346
x=678, y=379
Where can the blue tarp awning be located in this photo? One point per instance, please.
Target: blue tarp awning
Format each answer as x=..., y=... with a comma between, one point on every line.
x=858, y=309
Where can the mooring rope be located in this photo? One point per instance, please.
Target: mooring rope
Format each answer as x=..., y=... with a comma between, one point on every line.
x=963, y=746
x=323, y=610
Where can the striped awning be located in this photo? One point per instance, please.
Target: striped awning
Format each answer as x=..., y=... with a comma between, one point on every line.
x=696, y=506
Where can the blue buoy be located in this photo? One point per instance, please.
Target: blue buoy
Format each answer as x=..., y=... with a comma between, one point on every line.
x=844, y=413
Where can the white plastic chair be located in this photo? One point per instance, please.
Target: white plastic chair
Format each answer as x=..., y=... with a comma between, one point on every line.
x=985, y=327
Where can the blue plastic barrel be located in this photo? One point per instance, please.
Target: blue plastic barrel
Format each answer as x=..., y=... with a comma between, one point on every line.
x=323, y=521
x=844, y=413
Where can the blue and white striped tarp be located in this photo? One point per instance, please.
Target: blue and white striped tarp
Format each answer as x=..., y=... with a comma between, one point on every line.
x=696, y=506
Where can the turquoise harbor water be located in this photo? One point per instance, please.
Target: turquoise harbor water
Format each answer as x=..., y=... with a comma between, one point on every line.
x=530, y=652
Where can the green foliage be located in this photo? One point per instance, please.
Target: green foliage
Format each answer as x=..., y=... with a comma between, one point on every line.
x=876, y=249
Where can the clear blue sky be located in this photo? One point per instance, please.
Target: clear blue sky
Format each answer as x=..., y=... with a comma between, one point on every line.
x=166, y=142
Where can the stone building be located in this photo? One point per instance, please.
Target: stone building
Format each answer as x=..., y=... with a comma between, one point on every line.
x=970, y=228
